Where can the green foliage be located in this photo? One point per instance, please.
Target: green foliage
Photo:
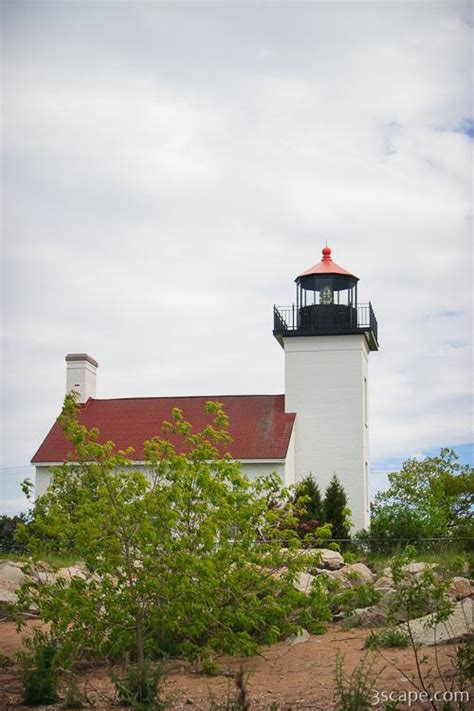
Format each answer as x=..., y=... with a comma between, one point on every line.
x=8, y=529
x=336, y=512
x=354, y=692
x=417, y=595
x=465, y=661
x=426, y=498
x=317, y=611
x=308, y=506
x=140, y=687
x=5, y=662
x=39, y=665
x=184, y=556
x=360, y=596
x=393, y=637
x=73, y=698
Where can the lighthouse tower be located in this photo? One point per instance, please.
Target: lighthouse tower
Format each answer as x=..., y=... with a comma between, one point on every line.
x=327, y=337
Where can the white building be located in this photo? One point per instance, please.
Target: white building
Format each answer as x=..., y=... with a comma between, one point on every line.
x=319, y=426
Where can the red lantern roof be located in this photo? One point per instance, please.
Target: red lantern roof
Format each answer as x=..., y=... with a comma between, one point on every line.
x=327, y=266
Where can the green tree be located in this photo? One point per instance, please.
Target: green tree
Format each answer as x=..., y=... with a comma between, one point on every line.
x=181, y=555
x=308, y=506
x=433, y=496
x=336, y=511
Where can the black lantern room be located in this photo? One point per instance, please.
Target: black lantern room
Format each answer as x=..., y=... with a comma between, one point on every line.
x=326, y=304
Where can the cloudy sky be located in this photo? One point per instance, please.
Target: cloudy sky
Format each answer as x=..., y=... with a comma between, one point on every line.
x=170, y=167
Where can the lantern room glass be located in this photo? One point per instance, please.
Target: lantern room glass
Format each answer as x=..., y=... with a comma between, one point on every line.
x=326, y=301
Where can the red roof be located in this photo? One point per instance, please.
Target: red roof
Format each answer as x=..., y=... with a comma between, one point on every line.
x=326, y=266
x=259, y=426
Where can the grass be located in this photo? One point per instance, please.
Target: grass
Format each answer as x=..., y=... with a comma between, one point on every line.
x=56, y=561
x=449, y=562
x=387, y=638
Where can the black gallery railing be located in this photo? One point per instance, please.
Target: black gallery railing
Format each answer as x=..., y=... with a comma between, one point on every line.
x=324, y=318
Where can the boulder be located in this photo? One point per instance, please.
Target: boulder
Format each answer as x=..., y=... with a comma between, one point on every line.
x=415, y=568
x=7, y=598
x=460, y=588
x=73, y=571
x=11, y=576
x=44, y=577
x=304, y=582
x=350, y=576
x=385, y=582
x=301, y=636
x=459, y=625
x=373, y=616
x=316, y=557
x=328, y=559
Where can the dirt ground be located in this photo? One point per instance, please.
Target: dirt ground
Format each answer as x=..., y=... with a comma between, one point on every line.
x=282, y=678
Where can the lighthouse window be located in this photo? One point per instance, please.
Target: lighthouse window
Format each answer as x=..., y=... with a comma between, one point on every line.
x=326, y=295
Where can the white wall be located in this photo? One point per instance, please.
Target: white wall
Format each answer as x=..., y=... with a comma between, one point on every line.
x=43, y=477
x=324, y=385
x=252, y=469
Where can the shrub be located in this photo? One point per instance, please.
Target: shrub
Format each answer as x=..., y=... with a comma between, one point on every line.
x=9, y=526
x=140, y=687
x=354, y=692
x=360, y=596
x=39, y=667
x=392, y=637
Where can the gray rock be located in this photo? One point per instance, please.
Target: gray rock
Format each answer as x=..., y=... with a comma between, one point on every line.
x=299, y=638
x=73, y=571
x=7, y=597
x=316, y=557
x=11, y=576
x=459, y=625
x=416, y=569
x=373, y=616
x=328, y=559
x=304, y=582
x=351, y=576
x=460, y=588
x=44, y=577
x=384, y=582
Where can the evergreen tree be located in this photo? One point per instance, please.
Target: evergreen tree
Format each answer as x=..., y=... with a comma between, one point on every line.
x=308, y=507
x=311, y=505
x=335, y=509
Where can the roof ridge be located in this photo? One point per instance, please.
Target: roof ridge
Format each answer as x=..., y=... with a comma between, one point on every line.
x=178, y=397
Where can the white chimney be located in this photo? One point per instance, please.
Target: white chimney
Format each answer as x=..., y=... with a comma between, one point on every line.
x=81, y=375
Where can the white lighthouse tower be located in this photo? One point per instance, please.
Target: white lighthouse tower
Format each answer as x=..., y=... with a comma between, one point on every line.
x=327, y=337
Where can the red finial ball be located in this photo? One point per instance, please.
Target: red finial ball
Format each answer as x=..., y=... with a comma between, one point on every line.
x=326, y=252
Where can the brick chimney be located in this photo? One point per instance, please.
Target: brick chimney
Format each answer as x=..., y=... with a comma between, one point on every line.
x=81, y=375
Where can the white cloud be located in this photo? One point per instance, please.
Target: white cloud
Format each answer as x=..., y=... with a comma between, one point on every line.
x=169, y=169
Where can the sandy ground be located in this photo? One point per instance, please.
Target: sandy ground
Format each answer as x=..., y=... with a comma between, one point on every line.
x=282, y=678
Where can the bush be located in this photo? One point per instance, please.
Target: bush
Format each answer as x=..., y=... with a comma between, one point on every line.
x=40, y=670
x=140, y=687
x=355, y=692
x=9, y=526
x=393, y=637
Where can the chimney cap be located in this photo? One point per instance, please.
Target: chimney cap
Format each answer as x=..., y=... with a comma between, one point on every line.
x=81, y=357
